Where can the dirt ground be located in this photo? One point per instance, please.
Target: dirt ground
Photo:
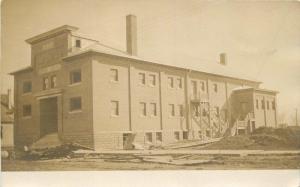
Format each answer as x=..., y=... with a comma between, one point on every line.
x=220, y=163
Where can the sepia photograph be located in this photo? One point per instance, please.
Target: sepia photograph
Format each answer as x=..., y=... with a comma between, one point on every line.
x=110, y=85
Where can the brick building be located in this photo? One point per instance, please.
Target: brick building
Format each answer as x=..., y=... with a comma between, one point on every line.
x=104, y=98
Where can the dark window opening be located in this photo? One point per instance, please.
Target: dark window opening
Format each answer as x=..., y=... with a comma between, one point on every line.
x=262, y=104
x=142, y=78
x=171, y=82
x=152, y=80
x=27, y=87
x=185, y=135
x=159, y=136
x=194, y=88
x=75, y=104
x=181, y=110
x=75, y=76
x=149, y=137
x=143, y=110
x=203, y=86
x=153, y=109
x=176, y=135
x=171, y=110
x=215, y=87
x=114, y=75
x=78, y=43
x=179, y=80
x=26, y=110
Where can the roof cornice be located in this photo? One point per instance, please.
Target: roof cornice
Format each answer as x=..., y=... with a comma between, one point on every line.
x=134, y=58
x=53, y=32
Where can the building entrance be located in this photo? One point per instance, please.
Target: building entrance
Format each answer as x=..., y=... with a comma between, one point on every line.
x=48, y=116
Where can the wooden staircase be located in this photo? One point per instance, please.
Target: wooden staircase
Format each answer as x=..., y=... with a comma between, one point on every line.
x=241, y=124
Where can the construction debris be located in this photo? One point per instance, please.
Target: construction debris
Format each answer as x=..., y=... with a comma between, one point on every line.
x=191, y=143
x=182, y=161
x=62, y=151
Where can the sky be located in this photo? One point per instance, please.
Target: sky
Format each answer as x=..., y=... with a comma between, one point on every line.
x=261, y=39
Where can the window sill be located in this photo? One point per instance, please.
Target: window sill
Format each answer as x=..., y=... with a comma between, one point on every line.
x=26, y=117
x=74, y=84
x=27, y=93
x=114, y=116
x=114, y=82
x=75, y=111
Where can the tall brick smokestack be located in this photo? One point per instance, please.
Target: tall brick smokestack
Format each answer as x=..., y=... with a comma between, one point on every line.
x=131, y=34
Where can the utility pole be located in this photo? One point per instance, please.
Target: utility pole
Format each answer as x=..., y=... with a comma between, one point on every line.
x=296, y=116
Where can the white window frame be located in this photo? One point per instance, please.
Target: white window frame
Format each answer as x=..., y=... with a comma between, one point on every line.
x=114, y=75
x=114, y=108
x=171, y=82
x=142, y=78
x=180, y=110
x=194, y=88
x=153, y=109
x=215, y=86
x=143, y=109
x=179, y=83
x=171, y=110
x=202, y=85
x=152, y=79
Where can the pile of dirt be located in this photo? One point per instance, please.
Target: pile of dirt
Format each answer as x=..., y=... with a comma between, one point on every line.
x=62, y=151
x=264, y=138
x=233, y=142
x=286, y=136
